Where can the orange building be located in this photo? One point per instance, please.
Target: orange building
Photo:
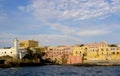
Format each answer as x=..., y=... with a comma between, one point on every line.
x=74, y=59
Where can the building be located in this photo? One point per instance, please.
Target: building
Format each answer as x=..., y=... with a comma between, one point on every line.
x=115, y=53
x=118, y=45
x=98, y=52
x=28, y=43
x=11, y=51
x=59, y=54
x=104, y=51
x=22, y=52
x=74, y=59
x=92, y=53
x=77, y=55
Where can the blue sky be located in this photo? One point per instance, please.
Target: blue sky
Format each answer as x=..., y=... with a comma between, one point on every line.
x=59, y=22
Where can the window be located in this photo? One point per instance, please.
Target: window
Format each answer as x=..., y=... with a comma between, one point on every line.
x=11, y=52
x=117, y=52
x=107, y=53
x=107, y=49
x=85, y=58
x=113, y=48
x=113, y=52
x=102, y=50
x=5, y=52
x=117, y=48
x=51, y=49
x=98, y=50
x=85, y=49
x=80, y=52
x=76, y=52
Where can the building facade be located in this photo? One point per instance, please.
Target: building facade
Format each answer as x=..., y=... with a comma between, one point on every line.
x=98, y=52
x=77, y=55
x=11, y=51
x=115, y=53
x=92, y=52
x=28, y=43
x=59, y=54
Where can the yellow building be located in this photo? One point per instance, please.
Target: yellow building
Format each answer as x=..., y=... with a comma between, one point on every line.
x=95, y=52
x=28, y=43
x=92, y=53
x=104, y=51
x=98, y=51
x=77, y=51
x=115, y=53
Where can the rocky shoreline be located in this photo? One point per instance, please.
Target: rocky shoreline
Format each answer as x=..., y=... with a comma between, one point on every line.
x=25, y=63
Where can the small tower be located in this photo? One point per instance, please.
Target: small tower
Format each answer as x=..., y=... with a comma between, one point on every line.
x=16, y=50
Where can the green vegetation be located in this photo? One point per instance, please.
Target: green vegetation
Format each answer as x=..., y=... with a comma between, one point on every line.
x=36, y=56
x=112, y=45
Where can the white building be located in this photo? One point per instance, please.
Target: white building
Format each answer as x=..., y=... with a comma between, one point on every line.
x=14, y=51
x=22, y=53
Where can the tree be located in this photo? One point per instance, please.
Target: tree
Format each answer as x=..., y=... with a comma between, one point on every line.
x=38, y=55
x=29, y=54
x=113, y=45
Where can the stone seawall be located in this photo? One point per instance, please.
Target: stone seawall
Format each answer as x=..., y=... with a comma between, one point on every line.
x=103, y=62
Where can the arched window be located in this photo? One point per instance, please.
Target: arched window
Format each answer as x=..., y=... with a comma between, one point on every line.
x=107, y=49
x=76, y=52
x=113, y=52
x=80, y=52
x=102, y=50
x=117, y=52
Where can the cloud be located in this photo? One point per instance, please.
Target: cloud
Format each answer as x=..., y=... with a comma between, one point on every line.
x=62, y=28
x=93, y=32
x=58, y=40
x=44, y=39
x=67, y=9
x=22, y=8
x=98, y=30
x=62, y=10
x=6, y=39
x=115, y=6
x=3, y=14
x=76, y=31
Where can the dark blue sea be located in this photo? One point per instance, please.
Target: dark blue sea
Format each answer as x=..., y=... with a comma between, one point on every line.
x=56, y=70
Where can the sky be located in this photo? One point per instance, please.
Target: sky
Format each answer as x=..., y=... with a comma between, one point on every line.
x=59, y=22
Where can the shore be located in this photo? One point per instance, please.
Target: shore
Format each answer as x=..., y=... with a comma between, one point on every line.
x=20, y=63
x=24, y=63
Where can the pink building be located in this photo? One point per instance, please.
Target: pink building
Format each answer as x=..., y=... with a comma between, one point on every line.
x=58, y=53
x=92, y=45
x=74, y=59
